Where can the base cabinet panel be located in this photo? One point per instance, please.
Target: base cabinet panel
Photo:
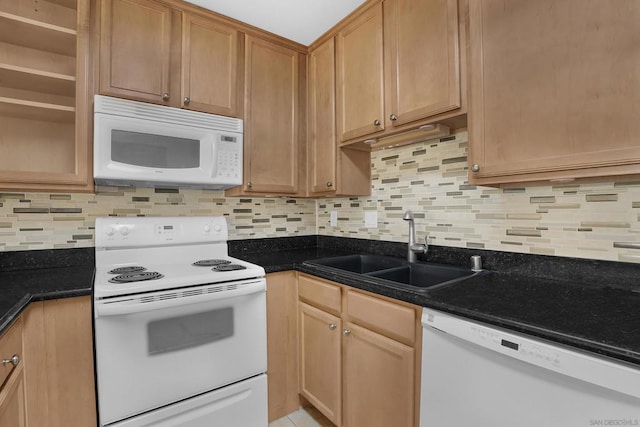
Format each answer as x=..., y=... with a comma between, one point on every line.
x=353, y=368
x=378, y=373
x=320, y=370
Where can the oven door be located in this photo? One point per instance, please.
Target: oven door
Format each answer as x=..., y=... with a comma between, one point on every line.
x=158, y=348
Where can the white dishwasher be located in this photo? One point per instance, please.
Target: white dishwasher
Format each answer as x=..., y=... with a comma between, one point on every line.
x=475, y=375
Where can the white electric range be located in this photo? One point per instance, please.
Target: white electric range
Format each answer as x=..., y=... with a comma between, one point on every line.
x=180, y=327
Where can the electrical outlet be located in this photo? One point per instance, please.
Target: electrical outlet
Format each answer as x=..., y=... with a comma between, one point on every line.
x=333, y=218
x=371, y=219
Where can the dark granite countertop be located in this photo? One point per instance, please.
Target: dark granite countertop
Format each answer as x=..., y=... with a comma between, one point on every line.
x=19, y=287
x=595, y=307
x=602, y=318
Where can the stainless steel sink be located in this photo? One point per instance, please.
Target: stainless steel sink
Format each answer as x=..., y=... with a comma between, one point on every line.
x=398, y=272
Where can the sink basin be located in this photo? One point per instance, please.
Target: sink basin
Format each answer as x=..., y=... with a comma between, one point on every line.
x=361, y=263
x=398, y=272
x=424, y=276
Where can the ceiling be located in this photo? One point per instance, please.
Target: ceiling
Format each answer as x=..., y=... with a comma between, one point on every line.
x=299, y=20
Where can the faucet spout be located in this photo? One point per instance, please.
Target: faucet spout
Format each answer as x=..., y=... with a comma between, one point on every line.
x=412, y=247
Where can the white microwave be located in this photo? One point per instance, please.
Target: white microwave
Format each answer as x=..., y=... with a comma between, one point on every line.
x=140, y=144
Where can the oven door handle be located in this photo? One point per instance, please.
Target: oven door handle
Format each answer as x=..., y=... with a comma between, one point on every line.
x=134, y=304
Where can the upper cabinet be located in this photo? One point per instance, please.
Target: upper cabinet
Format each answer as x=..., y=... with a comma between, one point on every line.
x=275, y=89
x=554, y=90
x=44, y=95
x=154, y=53
x=332, y=170
x=398, y=67
x=422, y=59
x=360, y=90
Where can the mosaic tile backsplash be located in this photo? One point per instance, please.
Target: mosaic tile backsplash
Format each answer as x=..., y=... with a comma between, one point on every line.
x=430, y=178
x=50, y=221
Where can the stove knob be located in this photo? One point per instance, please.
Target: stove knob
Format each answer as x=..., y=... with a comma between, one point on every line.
x=124, y=231
x=110, y=231
x=217, y=228
x=207, y=228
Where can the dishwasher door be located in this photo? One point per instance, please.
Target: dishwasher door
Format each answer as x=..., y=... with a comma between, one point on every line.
x=483, y=376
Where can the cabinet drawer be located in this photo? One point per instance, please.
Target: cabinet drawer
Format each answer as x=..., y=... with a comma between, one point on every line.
x=319, y=293
x=10, y=345
x=393, y=320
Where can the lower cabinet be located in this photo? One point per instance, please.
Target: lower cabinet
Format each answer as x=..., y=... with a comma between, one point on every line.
x=359, y=355
x=47, y=375
x=12, y=390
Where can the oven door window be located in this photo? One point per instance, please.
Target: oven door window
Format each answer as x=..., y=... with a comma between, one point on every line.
x=192, y=330
x=154, y=151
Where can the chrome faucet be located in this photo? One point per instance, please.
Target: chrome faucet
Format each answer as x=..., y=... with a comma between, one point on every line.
x=414, y=248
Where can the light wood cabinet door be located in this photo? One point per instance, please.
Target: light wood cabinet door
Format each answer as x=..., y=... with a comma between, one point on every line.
x=360, y=85
x=378, y=380
x=322, y=119
x=271, y=128
x=12, y=389
x=58, y=347
x=209, y=66
x=282, y=343
x=332, y=169
x=139, y=51
x=320, y=361
x=554, y=90
x=422, y=59
x=12, y=401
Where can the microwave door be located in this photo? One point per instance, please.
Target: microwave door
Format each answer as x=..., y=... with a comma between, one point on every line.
x=129, y=149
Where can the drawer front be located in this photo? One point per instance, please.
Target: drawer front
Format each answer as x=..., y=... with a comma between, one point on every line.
x=10, y=345
x=319, y=293
x=395, y=321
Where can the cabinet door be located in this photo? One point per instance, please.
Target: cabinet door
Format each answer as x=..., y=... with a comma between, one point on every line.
x=322, y=118
x=378, y=380
x=209, y=66
x=282, y=343
x=360, y=90
x=320, y=336
x=554, y=89
x=136, y=51
x=59, y=358
x=422, y=66
x=12, y=402
x=271, y=117
x=12, y=390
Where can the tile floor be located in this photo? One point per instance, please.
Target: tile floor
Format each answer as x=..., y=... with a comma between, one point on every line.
x=303, y=417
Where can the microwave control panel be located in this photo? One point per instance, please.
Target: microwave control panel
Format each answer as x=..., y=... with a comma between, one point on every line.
x=229, y=153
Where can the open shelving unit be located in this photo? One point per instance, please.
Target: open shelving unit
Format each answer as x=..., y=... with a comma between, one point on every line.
x=43, y=95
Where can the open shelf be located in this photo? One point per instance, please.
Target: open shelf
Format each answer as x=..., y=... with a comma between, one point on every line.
x=36, y=110
x=33, y=34
x=37, y=80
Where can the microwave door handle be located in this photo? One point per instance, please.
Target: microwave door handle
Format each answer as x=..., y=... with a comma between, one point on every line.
x=135, y=303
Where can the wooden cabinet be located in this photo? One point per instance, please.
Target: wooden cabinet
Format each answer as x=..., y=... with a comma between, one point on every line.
x=58, y=356
x=275, y=84
x=282, y=343
x=422, y=59
x=12, y=389
x=152, y=52
x=332, y=170
x=44, y=95
x=320, y=361
x=553, y=87
x=358, y=351
x=360, y=84
x=399, y=67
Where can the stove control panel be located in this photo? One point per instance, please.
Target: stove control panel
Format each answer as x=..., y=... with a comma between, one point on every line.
x=114, y=232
